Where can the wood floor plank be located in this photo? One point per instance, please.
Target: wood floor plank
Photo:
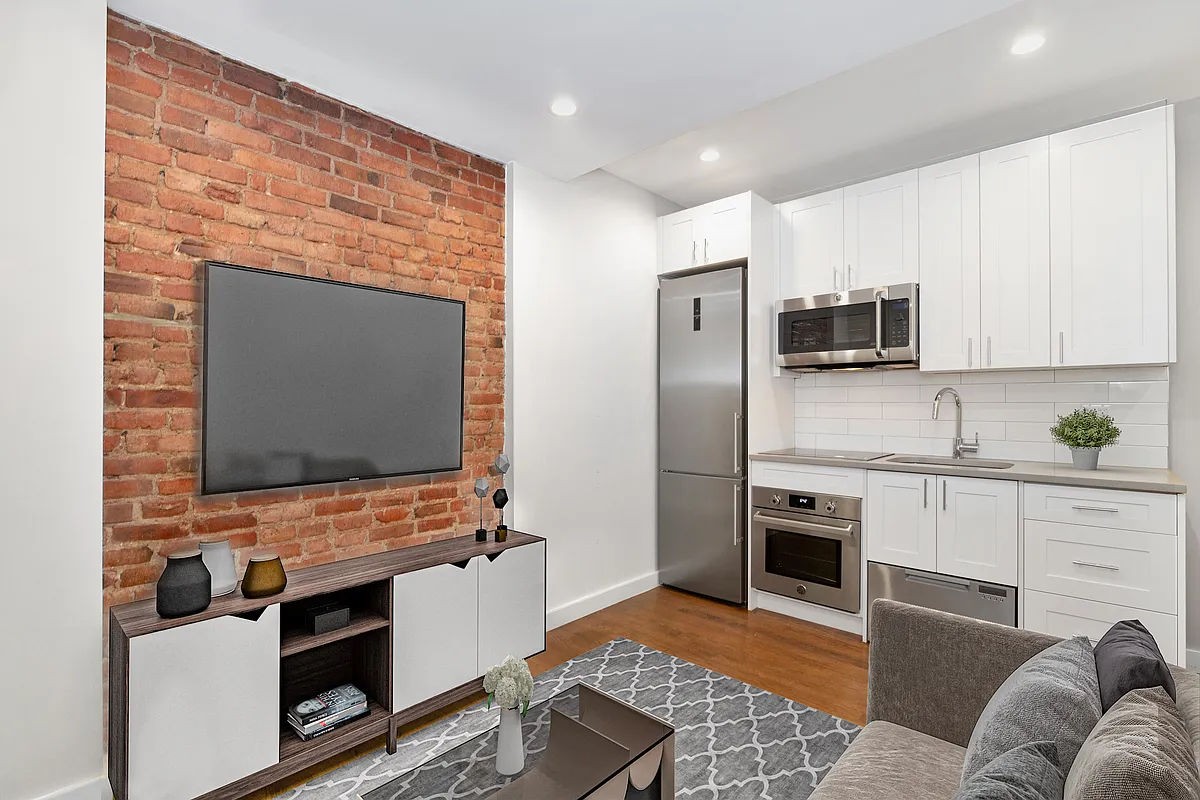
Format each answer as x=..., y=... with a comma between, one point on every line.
x=810, y=664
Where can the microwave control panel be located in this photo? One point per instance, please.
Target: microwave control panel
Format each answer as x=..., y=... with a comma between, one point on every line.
x=896, y=323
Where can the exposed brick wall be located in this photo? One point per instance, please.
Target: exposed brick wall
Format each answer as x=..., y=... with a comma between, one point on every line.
x=209, y=158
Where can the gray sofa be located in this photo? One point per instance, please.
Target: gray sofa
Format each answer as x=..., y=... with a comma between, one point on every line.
x=930, y=676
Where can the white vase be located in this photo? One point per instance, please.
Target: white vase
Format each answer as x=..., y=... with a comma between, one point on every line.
x=1085, y=457
x=510, y=746
x=218, y=557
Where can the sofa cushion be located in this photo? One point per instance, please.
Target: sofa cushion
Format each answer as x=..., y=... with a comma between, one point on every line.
x=1028, y=772
x=1187, y=700
x=1128, y=658
x=1141, y=748
x=1053, y=696
x=887, y=761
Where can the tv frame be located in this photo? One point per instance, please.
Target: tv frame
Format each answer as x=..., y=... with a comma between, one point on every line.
x=462, y=393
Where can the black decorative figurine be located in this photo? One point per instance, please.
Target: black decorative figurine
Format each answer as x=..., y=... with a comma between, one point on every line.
x=481, y=489
x=500, y=500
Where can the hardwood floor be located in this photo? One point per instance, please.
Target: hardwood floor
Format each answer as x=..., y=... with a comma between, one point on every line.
x=816, y=666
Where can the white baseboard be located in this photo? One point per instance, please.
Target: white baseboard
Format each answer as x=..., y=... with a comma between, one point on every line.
x=94, y=789
x=581, y=607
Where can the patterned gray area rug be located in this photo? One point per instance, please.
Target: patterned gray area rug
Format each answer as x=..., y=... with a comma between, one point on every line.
x=733, y=741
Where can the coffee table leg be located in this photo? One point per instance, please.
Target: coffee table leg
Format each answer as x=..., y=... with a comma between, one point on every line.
x=391, y=736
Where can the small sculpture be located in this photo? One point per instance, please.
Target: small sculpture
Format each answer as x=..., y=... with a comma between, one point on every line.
x=481, y=490
x=500, y=498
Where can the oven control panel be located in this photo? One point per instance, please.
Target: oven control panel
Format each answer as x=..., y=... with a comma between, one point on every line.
x=825, y=505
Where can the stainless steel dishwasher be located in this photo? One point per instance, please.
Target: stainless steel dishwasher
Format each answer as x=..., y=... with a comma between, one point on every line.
x=991, y=602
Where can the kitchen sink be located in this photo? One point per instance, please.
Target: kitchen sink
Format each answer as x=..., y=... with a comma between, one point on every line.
x=966, y=463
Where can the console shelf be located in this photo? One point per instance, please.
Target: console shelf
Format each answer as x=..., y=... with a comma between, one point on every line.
x=292, y=747
x=298, y=640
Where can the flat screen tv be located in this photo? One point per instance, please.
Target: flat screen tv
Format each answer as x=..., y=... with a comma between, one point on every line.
x=313, y=381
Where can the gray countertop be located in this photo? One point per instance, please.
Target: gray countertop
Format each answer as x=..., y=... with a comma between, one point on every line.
x=1106, y=477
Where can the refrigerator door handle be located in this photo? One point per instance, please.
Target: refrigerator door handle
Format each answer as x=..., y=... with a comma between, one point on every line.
x=737, y=527
x=737, y=449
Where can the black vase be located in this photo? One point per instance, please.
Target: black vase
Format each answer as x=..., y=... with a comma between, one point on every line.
x=185, y=586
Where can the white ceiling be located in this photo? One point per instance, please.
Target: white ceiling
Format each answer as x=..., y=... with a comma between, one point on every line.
x=481, y=73
x=956, y=93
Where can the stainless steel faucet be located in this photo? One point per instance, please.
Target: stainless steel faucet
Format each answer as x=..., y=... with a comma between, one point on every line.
x=960, y=446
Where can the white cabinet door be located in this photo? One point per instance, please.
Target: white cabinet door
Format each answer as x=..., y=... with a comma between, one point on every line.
x=811, y=246
x=1014, y=284
x=677, y=241
x=901, y=525
x=435, y=631
x=1109, y=242
x=977, y=529
x=949, y=235
x=1071, y=616
x=512, y=604
x=203, y=705
x=881, y=231
x=725, y=230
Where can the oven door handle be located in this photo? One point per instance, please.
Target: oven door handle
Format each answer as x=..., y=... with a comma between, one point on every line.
x=804, y=527
x=879, y=297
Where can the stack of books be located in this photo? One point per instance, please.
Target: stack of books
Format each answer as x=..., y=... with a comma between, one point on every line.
x=327, y=711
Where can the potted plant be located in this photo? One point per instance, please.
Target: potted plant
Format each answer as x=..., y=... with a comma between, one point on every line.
x=1086, y=431
x=510, y=685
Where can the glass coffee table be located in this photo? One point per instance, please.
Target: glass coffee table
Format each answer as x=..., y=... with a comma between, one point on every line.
x=581, y=743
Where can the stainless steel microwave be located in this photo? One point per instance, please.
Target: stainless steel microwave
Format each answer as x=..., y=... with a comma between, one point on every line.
x=856, y=329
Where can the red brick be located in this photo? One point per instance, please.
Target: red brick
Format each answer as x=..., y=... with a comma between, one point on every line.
x=179, y=139
x=160, y=398
x=175, y=50
x=133, y=81
x=122, y=30
x=305, y=98
x=211, y=167
x=340, y=506
x=336, y=149
x=145, y=151
x=301, y=155
x=188, y=203
x=202, y=103
x=147, y=531
x=173, y=115
x=225, y=522
x=351, y=206
x=239, y=135
x=252, y=78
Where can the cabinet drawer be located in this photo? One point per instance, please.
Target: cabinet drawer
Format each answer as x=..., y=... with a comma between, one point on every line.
x=808, y=478
x=1124, y=567
x=1071, y=616
x=1101, y=508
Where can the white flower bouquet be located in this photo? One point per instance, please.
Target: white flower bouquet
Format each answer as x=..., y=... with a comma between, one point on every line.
x=510, y=684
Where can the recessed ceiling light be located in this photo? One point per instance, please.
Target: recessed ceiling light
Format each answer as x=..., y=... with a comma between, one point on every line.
x=1026, y=43
x=710, y=154
x=563, y=107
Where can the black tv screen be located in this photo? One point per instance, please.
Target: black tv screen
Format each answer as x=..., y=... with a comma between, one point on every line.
x=312, y=381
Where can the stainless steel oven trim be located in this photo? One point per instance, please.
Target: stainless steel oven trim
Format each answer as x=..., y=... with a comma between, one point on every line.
x=907, y=356
x=845, y=598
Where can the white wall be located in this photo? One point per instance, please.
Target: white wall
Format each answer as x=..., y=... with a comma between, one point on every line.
x=51, y=224
x=582, y=350
x=1185, y=374
x=1011, y=411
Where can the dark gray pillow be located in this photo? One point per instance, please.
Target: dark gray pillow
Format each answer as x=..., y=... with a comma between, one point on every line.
x=1128, y=658
x=1053, y=697
x=1142, y=749
x=1028, y=772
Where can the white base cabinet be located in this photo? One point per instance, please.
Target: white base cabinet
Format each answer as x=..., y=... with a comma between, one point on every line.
x=203, y=705
x=901, y=522
x=512, y=604
x=435, y=631
x=1073, y=616
x=977, y=529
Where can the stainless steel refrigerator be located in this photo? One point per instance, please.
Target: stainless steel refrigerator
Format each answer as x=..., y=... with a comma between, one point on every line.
x=701, y=433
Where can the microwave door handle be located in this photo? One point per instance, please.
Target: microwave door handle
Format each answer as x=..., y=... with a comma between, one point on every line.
x=879, y=326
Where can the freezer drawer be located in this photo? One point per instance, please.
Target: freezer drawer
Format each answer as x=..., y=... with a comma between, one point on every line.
x=990, y=602
x=701, y=535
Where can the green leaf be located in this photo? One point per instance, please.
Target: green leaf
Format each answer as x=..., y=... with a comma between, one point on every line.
x=1086, y=427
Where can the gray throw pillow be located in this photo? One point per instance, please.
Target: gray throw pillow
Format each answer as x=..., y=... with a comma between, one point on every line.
x=1053, y=697
x=1028, y=772
x=1141, y=748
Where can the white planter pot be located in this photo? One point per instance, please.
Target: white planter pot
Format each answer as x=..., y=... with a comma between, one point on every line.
x=1085, y=457
x=218, y=557
x=510, y=747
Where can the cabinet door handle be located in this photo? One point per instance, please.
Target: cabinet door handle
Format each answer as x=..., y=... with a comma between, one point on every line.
x=836, y=276
x=1096, y=565
x=1097, y=508
x=970, y=352
x=849, y=277
x=705, y=249
x=1060, y=347
x=925, y=493
x=989, y=348
x=944, y=493
x=693, y=251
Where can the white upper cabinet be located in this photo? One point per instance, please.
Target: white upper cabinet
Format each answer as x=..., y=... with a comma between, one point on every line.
x=811, y=246
x=977, y=529
x=1014, y=272
x=1111, y=242
x=880, y=218
x=949, y=225
x=709, y=234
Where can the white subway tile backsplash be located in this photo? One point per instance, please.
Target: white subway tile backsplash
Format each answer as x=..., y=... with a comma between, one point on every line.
x=1095, y=392
x=1011, y=411
x=1139, y=392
